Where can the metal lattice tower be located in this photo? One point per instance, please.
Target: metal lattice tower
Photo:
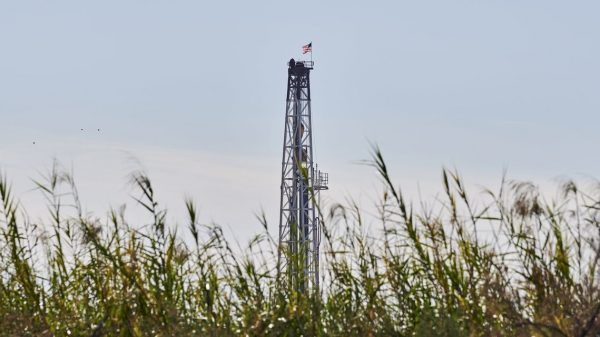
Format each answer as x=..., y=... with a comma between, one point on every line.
x=301, y=181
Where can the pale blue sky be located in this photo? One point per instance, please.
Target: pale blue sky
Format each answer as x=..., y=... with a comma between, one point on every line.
x=196, y=90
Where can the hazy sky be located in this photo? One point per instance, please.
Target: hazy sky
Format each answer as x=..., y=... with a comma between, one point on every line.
x=196, y=91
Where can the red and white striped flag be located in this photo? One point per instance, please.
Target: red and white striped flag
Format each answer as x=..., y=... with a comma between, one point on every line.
x=307, y=48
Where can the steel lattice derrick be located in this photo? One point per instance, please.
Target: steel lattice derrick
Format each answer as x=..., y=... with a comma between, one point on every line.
x=299, y=231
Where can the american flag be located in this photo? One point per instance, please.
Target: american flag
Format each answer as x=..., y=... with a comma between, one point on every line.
x=307, y=48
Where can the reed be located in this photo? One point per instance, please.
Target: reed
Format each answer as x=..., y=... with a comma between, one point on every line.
x=426, y=272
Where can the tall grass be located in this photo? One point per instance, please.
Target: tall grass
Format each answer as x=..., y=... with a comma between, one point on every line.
x=426, y=272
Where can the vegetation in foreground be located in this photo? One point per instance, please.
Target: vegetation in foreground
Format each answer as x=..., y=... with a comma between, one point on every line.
x=412, y=273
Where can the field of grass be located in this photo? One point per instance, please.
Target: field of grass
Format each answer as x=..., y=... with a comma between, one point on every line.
x=424, y=271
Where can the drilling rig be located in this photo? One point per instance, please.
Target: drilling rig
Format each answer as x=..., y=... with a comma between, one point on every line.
x=301, y=182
